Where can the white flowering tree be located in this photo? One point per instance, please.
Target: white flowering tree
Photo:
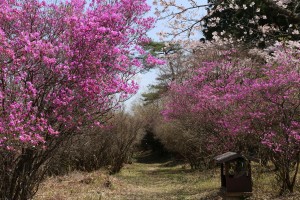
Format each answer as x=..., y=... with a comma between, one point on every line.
x=256, y=22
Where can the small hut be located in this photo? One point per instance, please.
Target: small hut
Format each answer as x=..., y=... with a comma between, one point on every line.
x=235, y=174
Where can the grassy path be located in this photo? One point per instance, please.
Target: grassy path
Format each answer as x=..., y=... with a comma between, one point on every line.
x=158, y=181
x=151, y=181
x=140, y=181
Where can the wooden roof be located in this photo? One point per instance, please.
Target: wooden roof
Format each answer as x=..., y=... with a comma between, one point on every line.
x=228, y=157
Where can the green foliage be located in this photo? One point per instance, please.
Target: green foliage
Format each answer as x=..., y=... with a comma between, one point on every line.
x=167, y=75
x=154, y=48
x=156, y=92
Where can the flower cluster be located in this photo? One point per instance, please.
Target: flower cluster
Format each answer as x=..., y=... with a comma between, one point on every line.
x=64, y=65
x=241, y=97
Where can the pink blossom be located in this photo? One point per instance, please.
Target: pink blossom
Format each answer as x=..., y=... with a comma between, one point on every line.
x=64, y=68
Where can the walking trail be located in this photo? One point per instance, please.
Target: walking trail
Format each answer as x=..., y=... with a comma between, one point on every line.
x=140, y=181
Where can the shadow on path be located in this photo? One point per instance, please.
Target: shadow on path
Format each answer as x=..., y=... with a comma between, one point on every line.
x=165, y=159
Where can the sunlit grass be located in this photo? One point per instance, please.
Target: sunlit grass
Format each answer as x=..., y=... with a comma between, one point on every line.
x=152, y=182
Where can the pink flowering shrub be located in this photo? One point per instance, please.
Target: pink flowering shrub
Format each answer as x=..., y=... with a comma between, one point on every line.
x=62, y=66
x=247, y=102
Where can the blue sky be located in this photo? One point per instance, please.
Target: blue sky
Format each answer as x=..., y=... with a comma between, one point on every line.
x=147, y=79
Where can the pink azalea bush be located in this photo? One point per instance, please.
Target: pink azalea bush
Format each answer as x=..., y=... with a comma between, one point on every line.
x=62, y=64
x=62, y=67
x=245, y=100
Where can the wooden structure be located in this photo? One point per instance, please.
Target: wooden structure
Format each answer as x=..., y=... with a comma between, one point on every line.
x=236, y=178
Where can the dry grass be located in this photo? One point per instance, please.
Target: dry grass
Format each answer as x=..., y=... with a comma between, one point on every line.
x=266, y=187
x=151, y=181
x=76, y=185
